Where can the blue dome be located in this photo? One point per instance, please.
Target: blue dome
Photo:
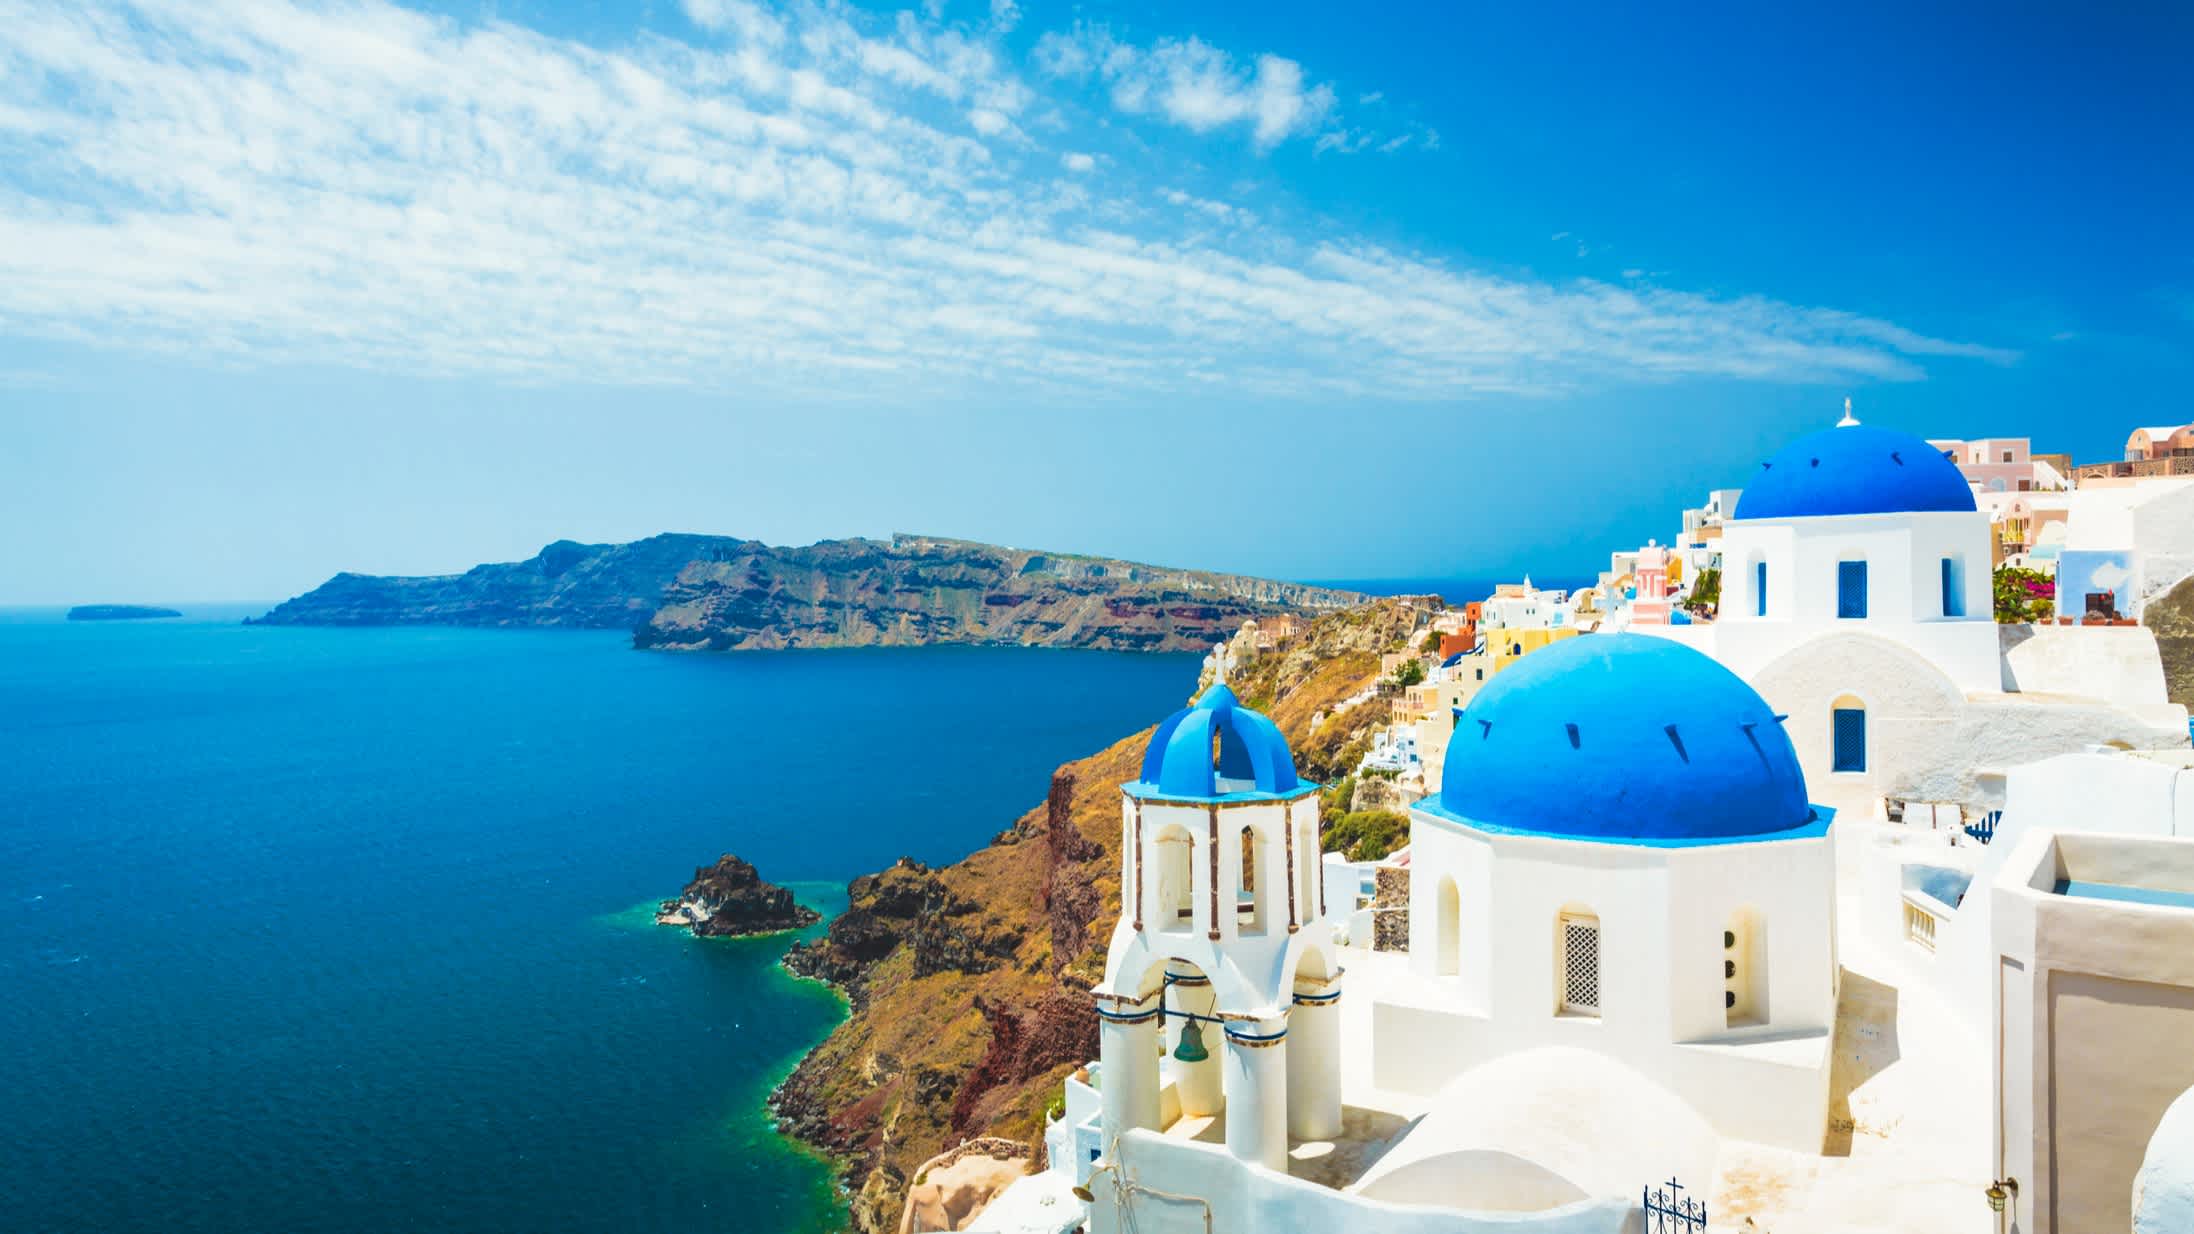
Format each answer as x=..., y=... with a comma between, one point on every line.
x=1855, y=469
x=1625, y=738
x=1253, y=756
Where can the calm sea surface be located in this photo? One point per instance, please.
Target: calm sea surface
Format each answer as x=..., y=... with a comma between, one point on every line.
x=347, y=930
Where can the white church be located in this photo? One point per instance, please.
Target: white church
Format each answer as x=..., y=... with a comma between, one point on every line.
x=1671, y=964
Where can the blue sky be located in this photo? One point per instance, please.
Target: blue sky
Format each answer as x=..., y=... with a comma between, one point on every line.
x=288, y=288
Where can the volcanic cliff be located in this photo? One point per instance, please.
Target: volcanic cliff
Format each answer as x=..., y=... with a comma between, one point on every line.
x=969, y=983
x=922, y=589
x=715, y=593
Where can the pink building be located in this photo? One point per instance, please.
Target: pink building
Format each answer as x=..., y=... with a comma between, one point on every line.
x=2160, y=442
x=1651, y=607
x=2000, y=464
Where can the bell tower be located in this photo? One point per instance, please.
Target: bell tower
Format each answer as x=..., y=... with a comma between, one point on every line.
x=1223, y=949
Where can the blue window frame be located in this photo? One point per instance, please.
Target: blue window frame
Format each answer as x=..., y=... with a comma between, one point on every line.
x=1850, y=740
x=1953, y=589
x=1851, y=589
x=1759, y=589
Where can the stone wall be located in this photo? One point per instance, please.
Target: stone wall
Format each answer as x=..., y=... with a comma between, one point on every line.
x=1390, y=909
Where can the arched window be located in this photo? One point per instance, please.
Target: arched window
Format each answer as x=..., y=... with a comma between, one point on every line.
x=1577, y=962
x=1174, y=891
x=1847, y=735
x=1744, y=969
x=1759, y=588
x=1447, y=945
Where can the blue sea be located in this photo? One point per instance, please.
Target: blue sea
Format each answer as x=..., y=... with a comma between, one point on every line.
x=349, y=930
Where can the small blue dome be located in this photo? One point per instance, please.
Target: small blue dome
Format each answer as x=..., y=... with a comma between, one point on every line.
x=1625, y=738
x=1855, y=469
x=1253, y=756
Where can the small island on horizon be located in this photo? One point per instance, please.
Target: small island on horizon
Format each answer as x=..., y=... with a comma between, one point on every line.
x=120, y=612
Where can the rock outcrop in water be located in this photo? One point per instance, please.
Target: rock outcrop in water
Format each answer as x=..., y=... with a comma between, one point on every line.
x=119, y=612
x=730, y=898
x=715, y=593
x=969, y=983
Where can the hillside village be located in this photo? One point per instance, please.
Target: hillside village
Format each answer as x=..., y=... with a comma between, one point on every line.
x=1830, y=867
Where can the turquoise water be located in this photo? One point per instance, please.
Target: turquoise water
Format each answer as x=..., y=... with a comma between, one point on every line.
x=2124, y=892
x=346, y=930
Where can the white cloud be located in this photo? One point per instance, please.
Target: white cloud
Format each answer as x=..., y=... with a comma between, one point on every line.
x=1192, y=84
x=799, y=205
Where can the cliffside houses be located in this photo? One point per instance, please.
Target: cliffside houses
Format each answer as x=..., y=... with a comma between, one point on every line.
x=1850, y=909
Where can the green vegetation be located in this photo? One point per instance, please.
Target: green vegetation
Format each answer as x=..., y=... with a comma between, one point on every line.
x=1365, y=835
x=1409, y=672
x=1057, y=1109
x=1431, y=645
x=1706, y=592
x=2024, y=595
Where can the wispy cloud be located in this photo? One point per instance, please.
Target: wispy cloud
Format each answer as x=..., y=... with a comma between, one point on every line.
x=801, y=201
x=1193, y=84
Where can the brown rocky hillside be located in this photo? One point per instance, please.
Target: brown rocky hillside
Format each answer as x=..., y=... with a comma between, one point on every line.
x=969, y=983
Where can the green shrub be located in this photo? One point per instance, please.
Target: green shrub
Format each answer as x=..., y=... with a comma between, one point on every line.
x=1366, y=835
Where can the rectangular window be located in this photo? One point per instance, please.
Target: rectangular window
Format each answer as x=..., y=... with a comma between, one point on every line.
x=1759, y=589
x=1953, y=588
x=1581, y=965
x=1850, y=740
x=1851, y=589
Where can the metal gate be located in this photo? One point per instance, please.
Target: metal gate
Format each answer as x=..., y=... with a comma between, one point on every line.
x=1669, y=1212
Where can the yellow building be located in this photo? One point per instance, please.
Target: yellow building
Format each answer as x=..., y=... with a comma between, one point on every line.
x=1431, y=707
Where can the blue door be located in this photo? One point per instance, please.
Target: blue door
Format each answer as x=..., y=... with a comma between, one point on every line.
x=1850, y=740
x=1851, y=589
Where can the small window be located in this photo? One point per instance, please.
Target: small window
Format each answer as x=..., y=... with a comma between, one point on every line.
x=1849, y=739
x=2007, y=456
x=1851, y=589
x=1580, y=964
x=1759, y=589
x=1953, y=588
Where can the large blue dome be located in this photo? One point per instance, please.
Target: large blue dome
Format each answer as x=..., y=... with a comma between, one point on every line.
x=1252, y=755
x=1855, y=469
x=1624, y=738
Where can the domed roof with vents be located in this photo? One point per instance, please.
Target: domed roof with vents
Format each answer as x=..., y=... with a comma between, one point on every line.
x=1218, y=749
x=1624, y=738
x=1855, y=469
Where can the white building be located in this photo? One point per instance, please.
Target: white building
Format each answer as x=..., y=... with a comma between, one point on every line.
x=1857, y=598
x=1222, y=947
x=1623, y=861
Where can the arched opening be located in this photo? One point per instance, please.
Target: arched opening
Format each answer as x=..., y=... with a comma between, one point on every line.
x=1197, y=1079
x=1308, y=866
x=1744, y=969
x=1577, y=962
x=1447, y=945
x=1173, y=907
x=1847, y=735
x=1251, y=892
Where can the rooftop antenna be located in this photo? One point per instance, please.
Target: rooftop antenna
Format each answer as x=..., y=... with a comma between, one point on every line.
x=1849, y=420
